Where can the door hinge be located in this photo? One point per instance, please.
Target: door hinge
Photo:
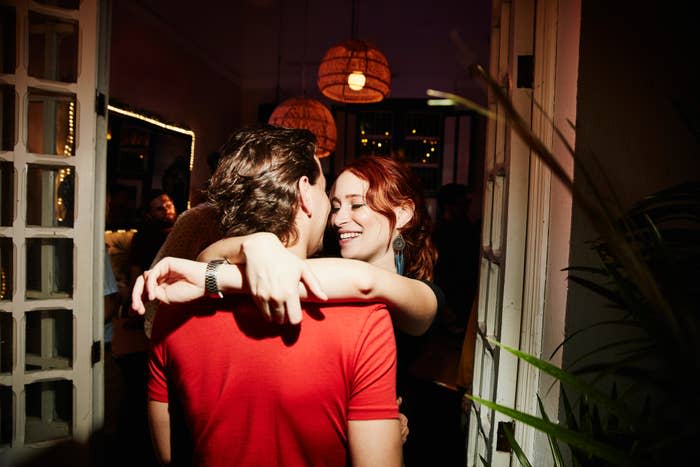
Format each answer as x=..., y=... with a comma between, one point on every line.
x=96, y=352
x=100, y=104
x=502, y=443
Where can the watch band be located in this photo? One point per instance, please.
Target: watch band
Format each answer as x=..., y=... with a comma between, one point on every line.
x=211, y=286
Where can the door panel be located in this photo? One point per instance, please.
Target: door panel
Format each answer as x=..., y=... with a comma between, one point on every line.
x=516, y=230
x=50, y=292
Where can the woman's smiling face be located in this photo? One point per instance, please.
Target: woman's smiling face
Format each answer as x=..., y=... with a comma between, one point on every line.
x=363, y=234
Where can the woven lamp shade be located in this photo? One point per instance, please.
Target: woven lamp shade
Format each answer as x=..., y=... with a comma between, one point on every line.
x=309, y=114
x=346, y=58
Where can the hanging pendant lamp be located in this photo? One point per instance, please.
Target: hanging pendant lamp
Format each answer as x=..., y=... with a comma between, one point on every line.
x=354, y=72
x=309, y=114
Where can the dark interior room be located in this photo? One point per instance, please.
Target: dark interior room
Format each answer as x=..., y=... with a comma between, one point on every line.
x=507, y=191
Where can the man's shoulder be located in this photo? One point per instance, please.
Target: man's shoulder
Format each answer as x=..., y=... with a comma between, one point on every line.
x=171, y=317
x=351, y=314
x=239, y=315
x=362, y=308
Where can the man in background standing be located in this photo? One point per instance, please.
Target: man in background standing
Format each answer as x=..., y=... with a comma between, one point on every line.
x=158, y=220
x=129, y=341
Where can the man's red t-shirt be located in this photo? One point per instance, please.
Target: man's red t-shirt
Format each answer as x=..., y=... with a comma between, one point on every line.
x=256, y=393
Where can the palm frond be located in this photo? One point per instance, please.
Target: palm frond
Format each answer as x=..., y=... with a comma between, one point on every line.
x=574, y=438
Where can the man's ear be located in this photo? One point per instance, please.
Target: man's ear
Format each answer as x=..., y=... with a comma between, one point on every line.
x=305, y=198
x=404, y=214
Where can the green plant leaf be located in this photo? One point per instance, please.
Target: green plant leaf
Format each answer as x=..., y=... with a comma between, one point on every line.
x=573, y=438
x=620, y=322
x=553, y=445
x=601, y=215
x=459, y=100
x=641, y=348
x=565, y=377
x=517, y=450
x=598, y=289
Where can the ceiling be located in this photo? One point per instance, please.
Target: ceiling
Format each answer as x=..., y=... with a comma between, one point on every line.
x=262, y=43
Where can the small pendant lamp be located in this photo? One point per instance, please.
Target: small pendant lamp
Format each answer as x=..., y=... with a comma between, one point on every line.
x=309, y=114
x=354, y=72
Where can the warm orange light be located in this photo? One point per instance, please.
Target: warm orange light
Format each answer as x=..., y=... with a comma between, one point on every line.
x=310, y=114
x=359, y=58
x=356, y=80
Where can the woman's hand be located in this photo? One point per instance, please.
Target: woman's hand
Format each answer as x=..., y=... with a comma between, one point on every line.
x=273, y=274
x=403, y=420
x=171, y=280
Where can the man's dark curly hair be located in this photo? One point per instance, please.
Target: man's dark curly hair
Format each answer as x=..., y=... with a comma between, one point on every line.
x=255, y=184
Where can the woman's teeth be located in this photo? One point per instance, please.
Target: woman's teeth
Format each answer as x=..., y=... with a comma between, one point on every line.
x=346, y=235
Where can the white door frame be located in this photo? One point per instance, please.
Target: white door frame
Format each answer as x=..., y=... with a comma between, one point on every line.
x=88, y=165
x=523, y=210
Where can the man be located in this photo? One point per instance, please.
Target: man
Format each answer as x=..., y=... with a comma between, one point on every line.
x=159, y=217
x=129, y=342
x=256, y=392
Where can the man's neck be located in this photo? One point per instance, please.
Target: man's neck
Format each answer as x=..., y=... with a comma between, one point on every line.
x=299, y=249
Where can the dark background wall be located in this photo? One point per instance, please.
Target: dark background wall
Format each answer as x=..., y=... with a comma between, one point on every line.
x=209, y=66
x=638, y=120
x=153, y=71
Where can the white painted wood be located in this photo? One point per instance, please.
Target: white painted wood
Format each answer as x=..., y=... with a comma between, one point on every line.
x=527, y=237
x=100, y=195
x=86, y=299
x=487, y=373
x=87, y=294
x=538, y=219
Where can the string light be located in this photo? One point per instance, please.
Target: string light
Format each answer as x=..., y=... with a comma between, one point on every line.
x=3, y=285
x=160, y=124
x=70, y=138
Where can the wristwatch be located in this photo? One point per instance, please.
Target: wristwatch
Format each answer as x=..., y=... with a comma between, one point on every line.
x=211, y=286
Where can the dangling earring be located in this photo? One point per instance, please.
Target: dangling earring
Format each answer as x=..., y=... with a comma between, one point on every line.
x=398, y=244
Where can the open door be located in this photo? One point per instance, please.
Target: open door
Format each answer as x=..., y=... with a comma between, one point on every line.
x=527, y=218
x=52, y=187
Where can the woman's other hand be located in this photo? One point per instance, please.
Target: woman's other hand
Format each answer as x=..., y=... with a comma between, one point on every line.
x=403, y=420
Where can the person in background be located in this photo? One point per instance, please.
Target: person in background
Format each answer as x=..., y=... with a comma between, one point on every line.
x=176, y=182
x=112, y=381
x=262, y=392
x=129, y=341
x=456, y=238
x=158, y=220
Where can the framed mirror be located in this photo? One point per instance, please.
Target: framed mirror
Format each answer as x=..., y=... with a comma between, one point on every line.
x=145, y=153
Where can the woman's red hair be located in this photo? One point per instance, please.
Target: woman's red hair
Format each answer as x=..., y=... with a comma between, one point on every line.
x=391, y=185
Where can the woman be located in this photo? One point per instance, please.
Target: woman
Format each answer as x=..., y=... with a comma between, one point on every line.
x=379, y=217
x=383, y=232
x=374, y=202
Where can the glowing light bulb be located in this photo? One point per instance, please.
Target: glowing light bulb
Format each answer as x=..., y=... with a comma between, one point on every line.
x=356, y=80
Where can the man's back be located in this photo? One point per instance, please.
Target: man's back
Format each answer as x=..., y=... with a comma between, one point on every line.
x=256, y=393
